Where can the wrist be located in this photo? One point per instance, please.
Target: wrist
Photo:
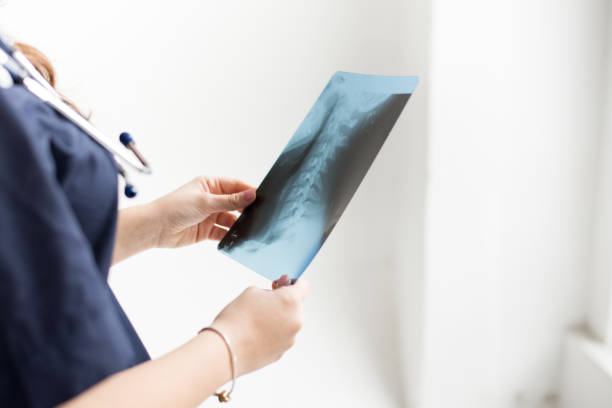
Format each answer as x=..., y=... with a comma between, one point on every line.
x=210, y=343
x=224, y=395
x=147, y=225
x=137, y=230
x=154, y=224
x=236, y=334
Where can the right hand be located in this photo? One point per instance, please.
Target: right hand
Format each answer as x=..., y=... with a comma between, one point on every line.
x=262, y=324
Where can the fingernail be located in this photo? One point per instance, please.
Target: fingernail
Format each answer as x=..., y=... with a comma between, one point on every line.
x=248, y=195
x=280, y=282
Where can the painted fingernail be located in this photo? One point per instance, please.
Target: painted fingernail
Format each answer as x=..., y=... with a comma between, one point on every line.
x=280, y=282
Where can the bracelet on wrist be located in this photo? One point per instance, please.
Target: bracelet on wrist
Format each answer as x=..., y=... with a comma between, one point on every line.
x=225, y=396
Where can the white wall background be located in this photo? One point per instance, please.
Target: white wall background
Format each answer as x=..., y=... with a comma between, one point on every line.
x=464, y=256
x=514, y=125
x=600, y=306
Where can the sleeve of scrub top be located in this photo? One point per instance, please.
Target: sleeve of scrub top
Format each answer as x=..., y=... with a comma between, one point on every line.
x=59, y=328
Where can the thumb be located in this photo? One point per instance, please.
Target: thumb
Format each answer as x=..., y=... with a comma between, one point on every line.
x=230, y=202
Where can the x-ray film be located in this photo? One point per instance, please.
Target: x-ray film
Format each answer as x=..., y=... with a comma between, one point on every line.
x=311, y=183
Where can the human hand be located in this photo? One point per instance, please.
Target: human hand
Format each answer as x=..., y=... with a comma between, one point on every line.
x=200, y=210
x=262, y=324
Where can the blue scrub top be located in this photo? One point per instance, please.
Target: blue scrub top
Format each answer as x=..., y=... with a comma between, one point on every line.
x=61, y=328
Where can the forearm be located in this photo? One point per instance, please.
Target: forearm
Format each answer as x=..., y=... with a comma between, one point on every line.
x=138, y=229
x=182, y=378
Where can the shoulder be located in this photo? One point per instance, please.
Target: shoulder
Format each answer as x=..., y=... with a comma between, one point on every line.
x=25, y=143
x=35, y=138
x=24, y=122
x=18, y=108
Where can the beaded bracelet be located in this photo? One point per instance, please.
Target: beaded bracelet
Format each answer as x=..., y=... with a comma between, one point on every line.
x=224, y=396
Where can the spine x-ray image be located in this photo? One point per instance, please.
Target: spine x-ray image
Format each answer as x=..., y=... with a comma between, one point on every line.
x=311, y=183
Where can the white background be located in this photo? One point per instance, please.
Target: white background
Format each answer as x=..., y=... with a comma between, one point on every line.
x=464, y=256
x=515, y=113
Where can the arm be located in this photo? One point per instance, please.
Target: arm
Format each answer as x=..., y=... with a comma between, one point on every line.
x=137, y=231
x=181, y=378
x=261, y=324
x=199, y=210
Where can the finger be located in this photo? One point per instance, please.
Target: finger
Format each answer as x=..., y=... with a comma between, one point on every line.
x=226, y=185
x=217, y=233
x=300, y=289
x=230, y=202
x=226, y=219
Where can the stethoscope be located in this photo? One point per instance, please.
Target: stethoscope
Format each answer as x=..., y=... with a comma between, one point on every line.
x=19, y=70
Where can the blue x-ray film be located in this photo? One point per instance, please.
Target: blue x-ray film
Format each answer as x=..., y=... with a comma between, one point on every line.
x=311, y=183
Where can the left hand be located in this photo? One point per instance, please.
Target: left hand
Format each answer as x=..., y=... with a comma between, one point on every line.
x=199, y=209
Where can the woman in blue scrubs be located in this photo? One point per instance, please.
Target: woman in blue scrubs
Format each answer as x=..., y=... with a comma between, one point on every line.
x=63, y=336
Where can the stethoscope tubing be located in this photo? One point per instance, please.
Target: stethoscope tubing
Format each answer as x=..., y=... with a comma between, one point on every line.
x=69, y=113
x=22, y=71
